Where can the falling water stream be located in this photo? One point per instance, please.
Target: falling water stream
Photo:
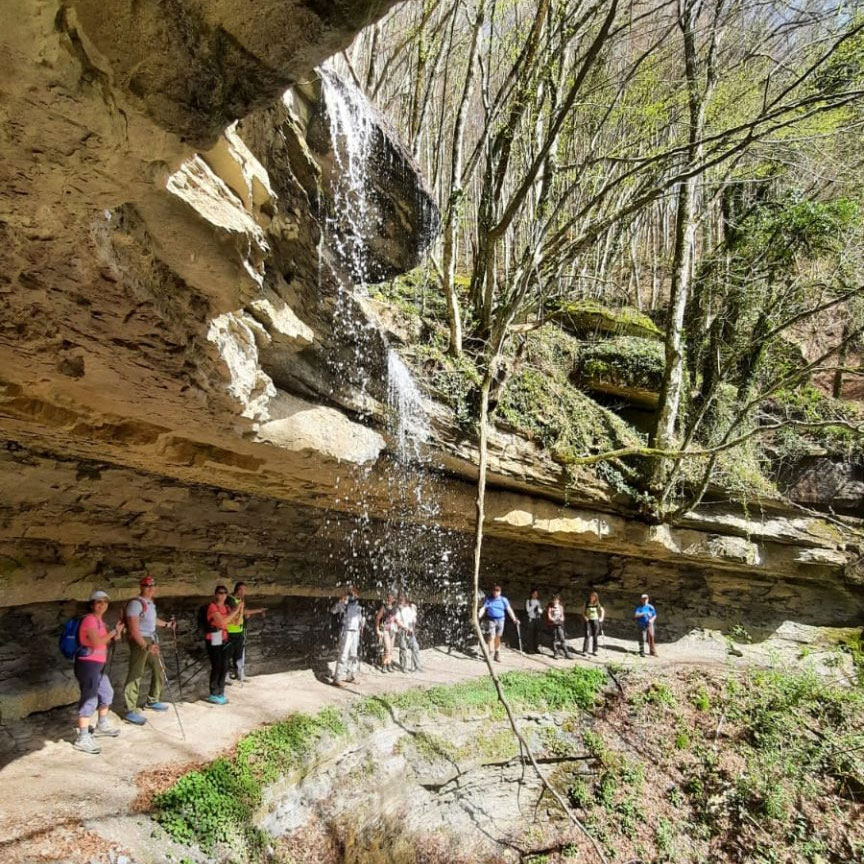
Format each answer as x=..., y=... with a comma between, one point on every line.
x=406, y=549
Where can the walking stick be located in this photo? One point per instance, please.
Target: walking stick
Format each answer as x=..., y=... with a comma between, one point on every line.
x=519, y=637
x=168, y=688
x=177, y=658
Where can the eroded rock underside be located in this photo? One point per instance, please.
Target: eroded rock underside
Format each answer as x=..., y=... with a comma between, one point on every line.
x=179, y=392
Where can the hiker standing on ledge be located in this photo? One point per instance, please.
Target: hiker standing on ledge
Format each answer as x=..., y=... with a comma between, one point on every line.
x=237, y=633
x=495, y=608
x=594, y=615
x=349, y=609
x=219, y=618
x=142, y=621
x=554, y=623
x=534, y=616
x=96, y=691
x=645, y=616
x=385, y=628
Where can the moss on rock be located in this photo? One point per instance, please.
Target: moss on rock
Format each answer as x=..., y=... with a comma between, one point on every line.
x=626, y=366
x=590, y=318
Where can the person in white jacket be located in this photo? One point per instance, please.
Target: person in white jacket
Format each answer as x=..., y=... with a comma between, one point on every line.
x=349, y=638
x=406, y=623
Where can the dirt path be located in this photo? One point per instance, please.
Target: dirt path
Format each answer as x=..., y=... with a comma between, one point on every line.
x=48, y=790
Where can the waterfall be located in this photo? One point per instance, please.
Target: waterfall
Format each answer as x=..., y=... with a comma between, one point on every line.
x=407, y=549
x=352, y=127
x=407, y=406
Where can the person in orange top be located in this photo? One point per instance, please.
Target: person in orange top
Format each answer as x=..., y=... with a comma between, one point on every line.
x=93, y=639
x=219, y=616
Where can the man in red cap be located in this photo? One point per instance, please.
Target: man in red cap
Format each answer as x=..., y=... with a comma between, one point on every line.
x=141, y=622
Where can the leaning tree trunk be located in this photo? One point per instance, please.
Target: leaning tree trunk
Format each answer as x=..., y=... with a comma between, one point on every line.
x=525, y=750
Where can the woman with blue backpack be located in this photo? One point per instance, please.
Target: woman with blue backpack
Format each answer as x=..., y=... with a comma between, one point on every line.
x=91, y=658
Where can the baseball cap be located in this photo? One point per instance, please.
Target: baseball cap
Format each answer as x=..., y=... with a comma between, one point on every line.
x=644, y=597
x=99, y=595
x=147, y=580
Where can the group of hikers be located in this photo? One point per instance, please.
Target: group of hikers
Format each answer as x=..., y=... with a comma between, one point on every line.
x=550, y=620
x=222, y=626
x=395, y=626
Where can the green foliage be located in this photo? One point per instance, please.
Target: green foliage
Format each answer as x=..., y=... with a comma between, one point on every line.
x=590, y=318
x=656, y=693
x=626, y=361
x=782, y=229
x=541, y=402
x=844, y=69
x=808, y=404
x=215, y=805
x=553, y=690
x=701, y=699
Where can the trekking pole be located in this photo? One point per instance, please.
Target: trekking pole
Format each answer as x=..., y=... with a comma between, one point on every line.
x=177, y=658
x=168, y=688
x=519, y=637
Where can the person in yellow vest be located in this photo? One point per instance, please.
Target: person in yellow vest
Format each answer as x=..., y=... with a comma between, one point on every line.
x=237, y=633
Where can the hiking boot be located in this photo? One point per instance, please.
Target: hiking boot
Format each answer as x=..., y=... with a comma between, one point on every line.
x=497, y=657
x=350, y=680
x=156, y=706
x=215, y=699
x=103, y=730
x=135, y=718
x=86, y=744
x=337, y=683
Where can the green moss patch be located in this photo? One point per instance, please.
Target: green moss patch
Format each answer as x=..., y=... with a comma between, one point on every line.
x=542, y=403
x=627, y=362
x=589, y=318
x=215, y=804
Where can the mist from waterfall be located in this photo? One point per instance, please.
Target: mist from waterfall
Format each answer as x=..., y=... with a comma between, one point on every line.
x=409, y=550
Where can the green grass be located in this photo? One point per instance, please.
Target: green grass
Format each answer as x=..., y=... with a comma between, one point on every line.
x=551, y=690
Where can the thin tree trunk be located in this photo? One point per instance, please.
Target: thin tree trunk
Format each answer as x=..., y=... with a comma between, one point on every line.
x=672, y=389
x=525, y=750
x=837, y=387
x=456, y=194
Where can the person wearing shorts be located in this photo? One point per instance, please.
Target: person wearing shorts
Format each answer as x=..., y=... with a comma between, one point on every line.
x=495, y=609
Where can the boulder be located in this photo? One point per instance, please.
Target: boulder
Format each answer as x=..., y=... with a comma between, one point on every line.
x=628, y=367
x=376, y=199
x=826, y=483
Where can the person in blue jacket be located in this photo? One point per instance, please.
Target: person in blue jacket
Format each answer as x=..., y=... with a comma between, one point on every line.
x=645, y=616
x=494, y=609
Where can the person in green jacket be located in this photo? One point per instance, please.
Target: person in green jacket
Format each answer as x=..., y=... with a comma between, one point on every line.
x=237, y=633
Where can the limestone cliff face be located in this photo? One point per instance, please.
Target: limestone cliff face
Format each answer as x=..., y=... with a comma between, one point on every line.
x=187, y=386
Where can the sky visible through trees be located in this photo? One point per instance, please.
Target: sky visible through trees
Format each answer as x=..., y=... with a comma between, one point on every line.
x=698, y=160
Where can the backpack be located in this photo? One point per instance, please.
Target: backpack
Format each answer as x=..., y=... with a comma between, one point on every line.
x=141, y=614
x=68, y=643
x=203, y=624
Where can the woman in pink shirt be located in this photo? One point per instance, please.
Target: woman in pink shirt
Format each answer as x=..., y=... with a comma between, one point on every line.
x=96, y=691
x=219, y=616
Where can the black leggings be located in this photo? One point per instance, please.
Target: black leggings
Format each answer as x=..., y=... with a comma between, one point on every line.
x=218, y=655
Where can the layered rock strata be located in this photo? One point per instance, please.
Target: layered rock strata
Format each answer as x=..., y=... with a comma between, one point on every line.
x=187, y=387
